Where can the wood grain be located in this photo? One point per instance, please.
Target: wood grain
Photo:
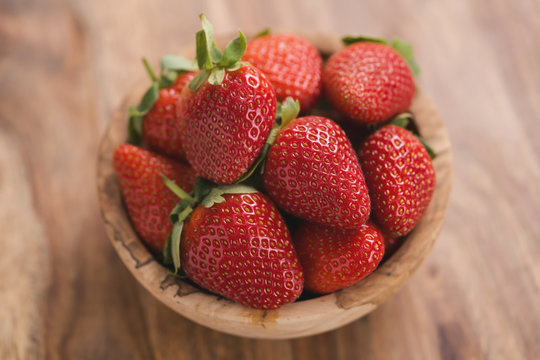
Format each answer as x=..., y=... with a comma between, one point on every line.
x=65, y=65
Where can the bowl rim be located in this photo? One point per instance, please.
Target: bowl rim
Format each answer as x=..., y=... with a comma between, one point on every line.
x=331, y=310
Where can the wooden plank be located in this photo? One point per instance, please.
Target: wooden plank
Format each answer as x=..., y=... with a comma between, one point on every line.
x=65, y=65
x=24, y=262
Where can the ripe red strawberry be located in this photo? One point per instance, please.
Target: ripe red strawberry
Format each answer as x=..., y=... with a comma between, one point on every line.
x=400, y=178
x=227, y=124
x=230, y=113
x=291, y=63
x=241, y=249
x=333, y=258
x=161, y=124
x=312, y=172
x=369, y=82
x=391, y=244
x=147, y=199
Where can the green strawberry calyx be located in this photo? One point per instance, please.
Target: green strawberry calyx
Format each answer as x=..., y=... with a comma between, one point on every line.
x=211, y=61
x=263, y=32
x=171, y=67
x=205, y=193
x=287, y=111
x=351, y=39
x=215, y=196
x=401, y=47
x=403, y=120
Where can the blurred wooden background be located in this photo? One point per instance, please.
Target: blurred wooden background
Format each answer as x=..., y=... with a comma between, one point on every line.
x=65, y=65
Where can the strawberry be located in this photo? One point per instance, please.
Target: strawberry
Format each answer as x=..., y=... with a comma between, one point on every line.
x=370, y=82
x=400, y=177
x=391, y=244
x=230, y=113
x=312, y=172
x=237, y=245
x=147, y=199
x=161, y=124
x=334, y=259
x=227, y=124
x=291, y=63
x=155, y=120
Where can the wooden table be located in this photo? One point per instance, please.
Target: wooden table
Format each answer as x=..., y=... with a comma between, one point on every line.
x=64, y=293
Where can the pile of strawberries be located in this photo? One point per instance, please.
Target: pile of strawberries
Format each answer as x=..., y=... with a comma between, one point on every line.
x=230, y=188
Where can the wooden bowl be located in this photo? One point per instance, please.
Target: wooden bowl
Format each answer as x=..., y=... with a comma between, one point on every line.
x=301, y=318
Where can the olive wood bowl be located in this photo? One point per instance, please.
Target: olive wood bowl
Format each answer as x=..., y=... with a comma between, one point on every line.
x=301, y=318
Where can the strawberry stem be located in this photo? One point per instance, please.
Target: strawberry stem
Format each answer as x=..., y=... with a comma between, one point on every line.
x=176, y=189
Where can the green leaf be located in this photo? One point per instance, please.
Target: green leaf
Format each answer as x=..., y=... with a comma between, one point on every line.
x=262, y=157
x=178, y=63
x=176, y=234
x=432, y=154
x=199, y=79
x=348, y=40
x=253, y=167
x=278, y=113
x=234, y=51
x=289, y=110
x=273, y=135
x=136, y=115
x=149, y=70
x=185, y=213
x=134, y=112
x=216, y=76
x=403, y=48
x=237, y=189
x=177, y=190
x=135, y=129
x=215, y=195
x=203, y=59
x=407, y=52
x=181, y=211
x=202, y=187
x=236, y=66
x=263, y=32
x=167, y=79
x=167, y=256
x=401, y=120
x=149, y=98
x=213, y=51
